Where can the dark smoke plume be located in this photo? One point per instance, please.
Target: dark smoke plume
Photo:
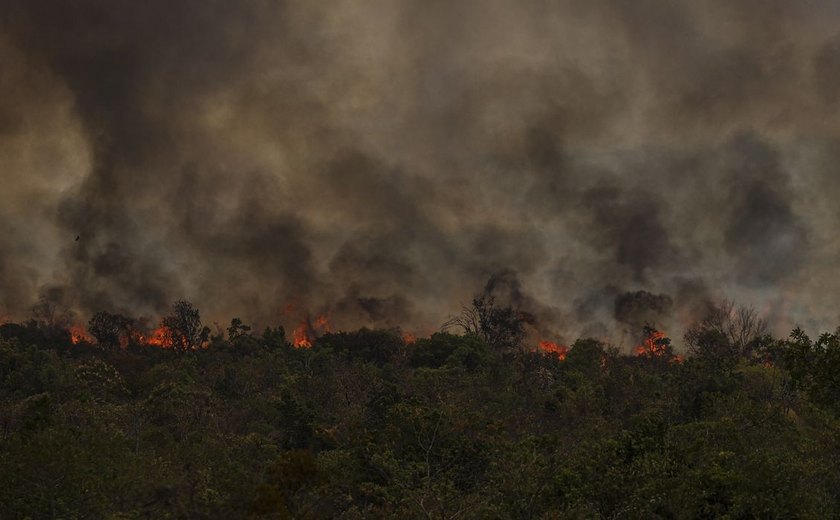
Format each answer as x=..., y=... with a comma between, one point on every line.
x=641, y=308
x=379, y=162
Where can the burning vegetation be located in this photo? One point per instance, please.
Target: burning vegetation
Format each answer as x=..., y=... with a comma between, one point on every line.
x=551, y=348
x=308, y=330
x=319, y=408
x=445, y=402
x=657, y=344
x=78, y=335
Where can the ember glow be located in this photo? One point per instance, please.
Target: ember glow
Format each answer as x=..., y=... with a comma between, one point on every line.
x=308, y=330
x=158, y=337
x=549, y=347
x=654, y=345
x=303, y=335
x=79, y=335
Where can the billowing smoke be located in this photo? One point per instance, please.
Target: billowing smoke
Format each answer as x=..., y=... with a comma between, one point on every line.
x=380, y=161
x=641, y=308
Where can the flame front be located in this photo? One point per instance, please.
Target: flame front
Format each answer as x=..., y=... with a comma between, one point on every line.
x=159, y=337
x=549, y=347
x=155, y=338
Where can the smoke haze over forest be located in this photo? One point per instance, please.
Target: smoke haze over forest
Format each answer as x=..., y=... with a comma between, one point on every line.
x=604, y=163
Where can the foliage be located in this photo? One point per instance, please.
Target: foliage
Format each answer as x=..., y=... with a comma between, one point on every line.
x=363, y=425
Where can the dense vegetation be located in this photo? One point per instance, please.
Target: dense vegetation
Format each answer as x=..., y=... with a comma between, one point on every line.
x=364, y=425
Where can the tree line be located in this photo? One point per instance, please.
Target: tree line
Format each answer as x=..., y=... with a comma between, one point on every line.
x=466, y=423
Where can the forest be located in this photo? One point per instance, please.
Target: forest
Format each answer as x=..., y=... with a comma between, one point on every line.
x=471, y=422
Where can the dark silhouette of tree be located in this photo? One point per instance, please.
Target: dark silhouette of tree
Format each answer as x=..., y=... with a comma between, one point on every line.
x=237, y=329
x=738, y=325
x=51, y=311
x=183, y=327
x=814, y=366
x=375, y=346
x=728, y=333
x=501, y=327
x=110, y=330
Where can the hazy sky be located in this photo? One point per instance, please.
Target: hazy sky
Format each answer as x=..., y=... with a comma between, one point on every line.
x=378, y=161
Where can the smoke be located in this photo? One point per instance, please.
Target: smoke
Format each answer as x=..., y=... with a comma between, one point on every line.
x=379, y=162
x=641, y=308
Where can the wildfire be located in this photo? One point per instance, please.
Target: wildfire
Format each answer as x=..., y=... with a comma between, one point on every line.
x=409, y=338
x=78, y=335
x=656, y=345
x=157, y=338
x=549, y=347
x=303, y=335
x=322, y=323
x=308, y=331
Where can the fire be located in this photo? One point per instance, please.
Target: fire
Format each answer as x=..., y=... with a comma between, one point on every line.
x=409, y=338
x=157, y=338
x=303, y=335
x=308, y=331
x=549, y=347
x=78, y=335
x=321, y=323
x=654, y=345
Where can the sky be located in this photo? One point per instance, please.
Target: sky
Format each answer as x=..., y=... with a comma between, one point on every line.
x=601, y=163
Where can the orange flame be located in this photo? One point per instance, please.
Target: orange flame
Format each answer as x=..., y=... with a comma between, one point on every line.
x=549, y=347
x=157, y=338
x=409, y=338
x=303, y=335
x=308, y=331
x=656, y=346
x=78, y=335
x=322, y=323
x=653, y=345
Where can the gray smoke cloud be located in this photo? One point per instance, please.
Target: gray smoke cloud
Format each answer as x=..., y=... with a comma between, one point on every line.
x=378, y=162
